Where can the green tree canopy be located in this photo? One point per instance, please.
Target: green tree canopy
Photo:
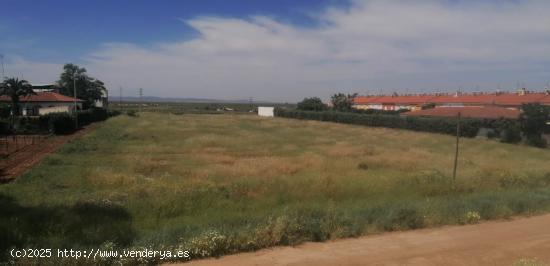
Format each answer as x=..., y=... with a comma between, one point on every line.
x=342, y=102
x=15, y=88
x=312, y=104
x=87, y=88
x=533, y=122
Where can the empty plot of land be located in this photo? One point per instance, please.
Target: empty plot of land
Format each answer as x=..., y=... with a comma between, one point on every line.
x=491, y=243
x=223, y=184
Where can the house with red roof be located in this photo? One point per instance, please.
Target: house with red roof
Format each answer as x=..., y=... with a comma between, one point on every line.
x=392, y=103
x=416, y=102
x=46, y=100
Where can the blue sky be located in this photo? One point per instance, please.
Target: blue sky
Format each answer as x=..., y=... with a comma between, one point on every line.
x=282, y=50
x=61, y=30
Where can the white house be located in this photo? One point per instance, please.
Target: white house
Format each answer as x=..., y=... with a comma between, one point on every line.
x=44, y=102
x=266, y=111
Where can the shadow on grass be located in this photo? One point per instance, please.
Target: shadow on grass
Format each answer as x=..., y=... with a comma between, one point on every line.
x=79, y=226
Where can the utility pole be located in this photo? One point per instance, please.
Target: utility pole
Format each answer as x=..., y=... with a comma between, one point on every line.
x=75, y=106
x=120, y=98
x=456, y=150
x=140, y=98
x=2, y=59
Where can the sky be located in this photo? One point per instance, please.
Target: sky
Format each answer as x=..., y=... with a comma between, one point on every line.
x=281, y=50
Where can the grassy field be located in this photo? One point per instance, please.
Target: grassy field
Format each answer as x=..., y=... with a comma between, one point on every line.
x=192, y=108
x=217, y=184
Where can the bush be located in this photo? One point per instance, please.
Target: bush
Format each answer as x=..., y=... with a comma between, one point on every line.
x=5, y=128
x=91, y=115
x=473, y=217
x=111, y=113
x=511, y=134
x=61, y=123
x=469, y=127
x=533, y=123
x=131, y=113
x=312, y=104
x=536, y=141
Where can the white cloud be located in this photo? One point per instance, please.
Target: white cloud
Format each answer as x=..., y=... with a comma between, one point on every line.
x=371, y=44
x=34, y=72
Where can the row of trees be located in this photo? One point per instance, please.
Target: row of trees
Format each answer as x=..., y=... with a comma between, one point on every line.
x=339, y=101
x=88, y=89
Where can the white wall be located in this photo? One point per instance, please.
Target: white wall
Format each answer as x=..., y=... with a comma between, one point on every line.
x=54, y=109
x=266, y=111
x=48, y=107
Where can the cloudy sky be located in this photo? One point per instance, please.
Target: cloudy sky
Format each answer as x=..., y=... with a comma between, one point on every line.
x=281, y=50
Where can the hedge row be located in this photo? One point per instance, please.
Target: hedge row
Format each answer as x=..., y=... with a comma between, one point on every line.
x=469, y=127
x=56, y=123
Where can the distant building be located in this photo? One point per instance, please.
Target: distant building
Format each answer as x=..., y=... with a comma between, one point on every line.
x=46, y=100
x=416, y=102
x=266, y=111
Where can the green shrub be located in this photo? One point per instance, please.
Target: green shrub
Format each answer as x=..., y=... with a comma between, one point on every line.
x=131, y=113
x=61, y=123
x=312, y=104
x=536, y=141
x=511, y=134
x=472, y=217
x=91, y=115
x=533, y=123
x=111, y=113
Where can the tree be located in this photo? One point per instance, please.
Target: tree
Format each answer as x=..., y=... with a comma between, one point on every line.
x=87, y=88
x=15, y=88
x=312, y=104
x=342, y=102
x=533, y=122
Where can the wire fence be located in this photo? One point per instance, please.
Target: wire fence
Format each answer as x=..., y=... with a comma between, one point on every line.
x=10, y=144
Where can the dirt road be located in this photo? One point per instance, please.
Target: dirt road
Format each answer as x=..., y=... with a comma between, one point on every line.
x=491, y=243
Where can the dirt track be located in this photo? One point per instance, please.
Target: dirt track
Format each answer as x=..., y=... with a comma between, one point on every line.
x=20, y=161
x=491, y=243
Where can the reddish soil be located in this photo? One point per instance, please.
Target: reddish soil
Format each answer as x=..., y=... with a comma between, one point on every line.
x=490, y=243
x=18, y=162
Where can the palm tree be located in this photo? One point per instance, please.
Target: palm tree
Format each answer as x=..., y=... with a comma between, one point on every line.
x=15, y=88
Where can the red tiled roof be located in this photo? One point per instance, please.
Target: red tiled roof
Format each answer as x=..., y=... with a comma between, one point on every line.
x=365, y=99
x=506, y=99
x=469, y=112
x=465, y=98
x=407, y=99
x=47, y=96
x=515, y=99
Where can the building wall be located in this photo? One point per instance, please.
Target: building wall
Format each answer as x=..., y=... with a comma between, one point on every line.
x=41, y=108
x=266, y=111
x=54, y=109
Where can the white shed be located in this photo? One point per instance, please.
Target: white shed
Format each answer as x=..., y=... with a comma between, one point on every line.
x=265, y=111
